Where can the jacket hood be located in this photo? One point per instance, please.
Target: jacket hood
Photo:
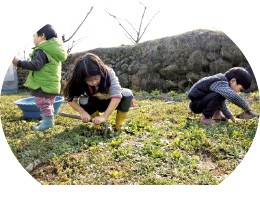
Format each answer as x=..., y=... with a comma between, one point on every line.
x=55, y=48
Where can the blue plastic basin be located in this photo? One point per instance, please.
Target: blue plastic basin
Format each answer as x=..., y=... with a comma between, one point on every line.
x=30, y=110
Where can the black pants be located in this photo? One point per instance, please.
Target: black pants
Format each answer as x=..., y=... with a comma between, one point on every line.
x=208, y=104
x=94, y=104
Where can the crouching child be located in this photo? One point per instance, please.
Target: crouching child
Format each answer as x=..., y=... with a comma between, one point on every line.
x=208, y=96
x=94, y=88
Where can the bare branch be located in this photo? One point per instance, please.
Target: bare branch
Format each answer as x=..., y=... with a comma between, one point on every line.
x=131, y=26
x=74, y=43
x=130, y=36
x=141, y=22
x=149, y=24
x=70, y=47
x=78, y=26
x=139, y=33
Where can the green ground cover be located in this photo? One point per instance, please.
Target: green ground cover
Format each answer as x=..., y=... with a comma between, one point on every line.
x=161, y=144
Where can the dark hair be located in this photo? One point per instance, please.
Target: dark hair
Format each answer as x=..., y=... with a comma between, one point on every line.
x=85, y=67
x=241, y=75
x=48, y=31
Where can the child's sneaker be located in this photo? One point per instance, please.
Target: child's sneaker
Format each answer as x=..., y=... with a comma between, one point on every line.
x=207, y=121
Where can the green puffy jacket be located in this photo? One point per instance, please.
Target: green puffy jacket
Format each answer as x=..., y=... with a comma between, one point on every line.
x=49, y=77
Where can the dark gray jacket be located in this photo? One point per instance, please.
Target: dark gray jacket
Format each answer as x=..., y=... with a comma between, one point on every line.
x=38, y=61
x=202, y=87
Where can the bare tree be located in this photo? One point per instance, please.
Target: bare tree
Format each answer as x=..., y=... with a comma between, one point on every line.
x=74, y=43
x=138, y=33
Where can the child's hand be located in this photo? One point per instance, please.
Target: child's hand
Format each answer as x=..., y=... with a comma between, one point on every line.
x=85, y=117
x=234, y=119
x=15, y=61
x=98, y=119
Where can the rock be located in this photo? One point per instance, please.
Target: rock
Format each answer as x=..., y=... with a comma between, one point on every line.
x=124, y=67
x=29, y=168
x=212, y=56
x=167, y=72
x=219, y=66
x=124, y=80
x=232, y=54
x=192, y=77
x=171, y=85
x=136, y=83
x=197, y=61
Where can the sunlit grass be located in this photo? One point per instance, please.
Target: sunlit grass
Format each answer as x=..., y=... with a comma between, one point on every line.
x=163, y=143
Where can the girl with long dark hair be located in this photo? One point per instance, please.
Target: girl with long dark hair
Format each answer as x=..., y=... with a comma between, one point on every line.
x=94, y=88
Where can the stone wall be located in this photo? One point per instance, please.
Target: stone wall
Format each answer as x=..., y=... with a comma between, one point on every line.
x=170, y=63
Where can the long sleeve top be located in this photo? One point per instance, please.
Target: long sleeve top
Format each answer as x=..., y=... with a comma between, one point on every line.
x=36, y=63
x=223, y=88
x=114, y=89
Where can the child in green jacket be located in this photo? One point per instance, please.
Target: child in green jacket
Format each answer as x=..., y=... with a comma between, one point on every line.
x=45, y=72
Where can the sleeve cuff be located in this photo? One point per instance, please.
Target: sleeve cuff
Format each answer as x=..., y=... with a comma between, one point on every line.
x=116, y=97
x=19, y=63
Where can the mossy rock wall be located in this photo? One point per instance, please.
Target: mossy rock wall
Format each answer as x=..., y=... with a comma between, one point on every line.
x=170, y=63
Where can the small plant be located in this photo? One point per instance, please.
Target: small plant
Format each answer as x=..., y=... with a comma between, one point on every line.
x=172, y=93
x=155, y=93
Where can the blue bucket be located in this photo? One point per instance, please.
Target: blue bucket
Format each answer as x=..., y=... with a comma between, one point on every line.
x=30, y=110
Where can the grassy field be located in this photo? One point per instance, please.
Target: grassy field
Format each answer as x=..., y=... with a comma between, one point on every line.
x=161, y=144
